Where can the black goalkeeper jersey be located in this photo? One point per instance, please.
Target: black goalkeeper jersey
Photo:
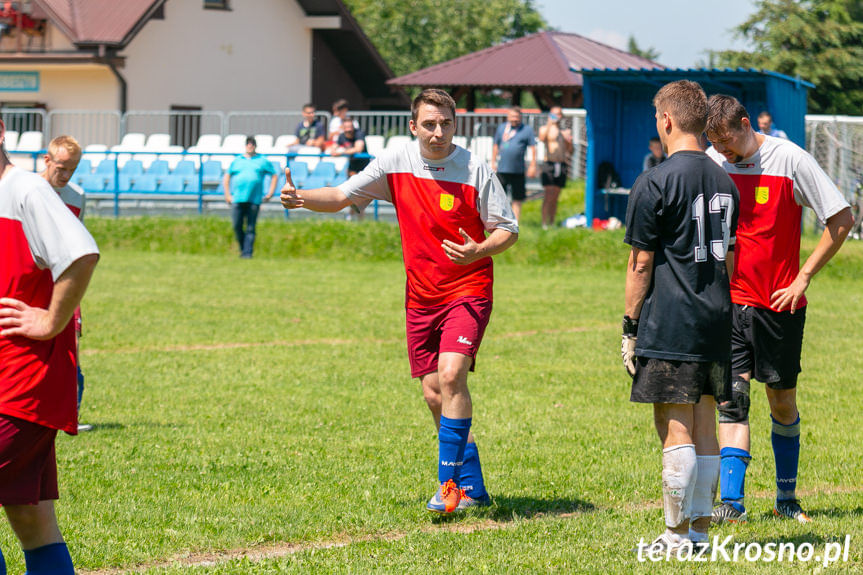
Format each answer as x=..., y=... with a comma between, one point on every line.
x=685, y=211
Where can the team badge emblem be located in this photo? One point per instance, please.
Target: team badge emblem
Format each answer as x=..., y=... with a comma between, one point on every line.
x=446, y=202
x=762, y=194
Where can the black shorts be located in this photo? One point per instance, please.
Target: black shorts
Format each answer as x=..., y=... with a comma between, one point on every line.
x=767, y=344
x=680, y=382
x=553, y=174
x=513, y=184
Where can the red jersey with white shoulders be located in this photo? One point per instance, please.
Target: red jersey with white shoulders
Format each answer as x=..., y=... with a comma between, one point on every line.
x=39, y=239
x=774, y=184
x=433, y=199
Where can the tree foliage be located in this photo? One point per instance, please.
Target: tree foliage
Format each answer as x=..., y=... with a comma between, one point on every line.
x=819, y=40
x=650, y=53
x=415, y=34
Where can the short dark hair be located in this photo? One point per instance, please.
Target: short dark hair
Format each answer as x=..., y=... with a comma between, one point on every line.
x=251, y=140
x=655, y=140
x=435, y=97
x=309, y=105
x=765, y=114
x=686, y=103
x=340, y=104
x=725, y=114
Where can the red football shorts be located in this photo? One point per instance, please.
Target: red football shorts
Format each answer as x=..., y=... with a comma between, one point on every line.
x=28, y=465
x=457, y=326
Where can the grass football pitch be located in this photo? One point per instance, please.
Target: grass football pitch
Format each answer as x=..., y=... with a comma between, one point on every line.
x=258, y=416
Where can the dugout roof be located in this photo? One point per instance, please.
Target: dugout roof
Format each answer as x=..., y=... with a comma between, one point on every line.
x=620, y=117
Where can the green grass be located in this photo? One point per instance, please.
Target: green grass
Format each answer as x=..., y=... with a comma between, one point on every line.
x=254, y=405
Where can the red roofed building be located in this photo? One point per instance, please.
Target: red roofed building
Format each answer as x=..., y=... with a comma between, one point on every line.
x=540, y=63
x=193, y=54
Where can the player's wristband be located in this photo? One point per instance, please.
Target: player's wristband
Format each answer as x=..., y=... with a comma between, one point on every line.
x=630, y=326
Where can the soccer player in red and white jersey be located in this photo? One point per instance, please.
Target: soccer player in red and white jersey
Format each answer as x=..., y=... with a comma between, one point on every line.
x=775, y=178
x=453, y=216
x=61, y=161
x=47, y=260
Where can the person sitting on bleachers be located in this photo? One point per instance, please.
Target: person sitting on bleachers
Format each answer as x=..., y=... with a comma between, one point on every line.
x=310, y=132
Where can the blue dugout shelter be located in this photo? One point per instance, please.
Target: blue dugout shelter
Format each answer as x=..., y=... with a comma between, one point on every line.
x=620, y=119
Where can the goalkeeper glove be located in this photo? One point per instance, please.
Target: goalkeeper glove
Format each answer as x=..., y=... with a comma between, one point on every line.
x=627, y=344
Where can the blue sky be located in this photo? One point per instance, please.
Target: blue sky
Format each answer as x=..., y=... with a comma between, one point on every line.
x=681, y=30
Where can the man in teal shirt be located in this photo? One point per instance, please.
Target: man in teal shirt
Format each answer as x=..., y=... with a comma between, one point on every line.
x=248, y=172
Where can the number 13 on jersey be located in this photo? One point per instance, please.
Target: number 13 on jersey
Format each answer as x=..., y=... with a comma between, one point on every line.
x=720, y=211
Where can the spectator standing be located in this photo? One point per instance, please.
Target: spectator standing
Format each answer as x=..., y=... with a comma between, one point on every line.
x=244, y=188
x=558, y=149
x=511, y=141
x=655, y=157
x=61, y=161
x=766, y=127
x=48, y=258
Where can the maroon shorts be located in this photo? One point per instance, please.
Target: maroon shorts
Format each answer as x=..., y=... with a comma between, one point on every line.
x=457, y=326
x=28, y=466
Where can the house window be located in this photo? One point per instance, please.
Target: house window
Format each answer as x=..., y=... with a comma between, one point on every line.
x=217, y=4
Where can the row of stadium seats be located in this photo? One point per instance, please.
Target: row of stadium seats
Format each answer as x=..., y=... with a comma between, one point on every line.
x=224, y=149
x=185, y=177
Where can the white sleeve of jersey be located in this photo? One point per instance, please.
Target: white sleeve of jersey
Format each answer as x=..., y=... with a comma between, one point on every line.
x=495, y=211
x=55, y=236
x=370, y=184
x=814, y=188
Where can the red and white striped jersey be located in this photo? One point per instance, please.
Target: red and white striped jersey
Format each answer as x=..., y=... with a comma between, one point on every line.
x=774, y=183
x=39, y=239
x=433, y=199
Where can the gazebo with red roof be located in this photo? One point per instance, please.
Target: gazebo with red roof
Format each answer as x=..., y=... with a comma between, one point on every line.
x=541, y=63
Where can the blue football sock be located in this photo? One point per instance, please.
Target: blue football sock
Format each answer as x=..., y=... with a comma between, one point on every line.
x=786, y=453
x=471, y=473
x=732, y=475
x=2, y=563
x=53, y=559
x=452, y=439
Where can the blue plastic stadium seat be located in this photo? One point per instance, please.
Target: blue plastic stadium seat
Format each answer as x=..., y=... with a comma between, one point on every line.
x=212, y=171
x=132, y=168
x=184, y=168
x=299, y=171
x=193, y=184
x=143, y=183
x=172, y=184
x=158, y=168
x=125, y=182
x=84, y=167
x=91, y=183
x=108, y=180
x=313, y=182
x=106, y=166
x=325, y=171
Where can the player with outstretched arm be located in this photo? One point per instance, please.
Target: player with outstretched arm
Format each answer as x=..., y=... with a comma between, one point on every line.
x=453, y=216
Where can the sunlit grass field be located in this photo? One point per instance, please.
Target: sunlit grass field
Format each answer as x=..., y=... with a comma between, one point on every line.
x=258, y=416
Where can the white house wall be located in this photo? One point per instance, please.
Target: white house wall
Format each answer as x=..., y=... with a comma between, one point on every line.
x=256, y=56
